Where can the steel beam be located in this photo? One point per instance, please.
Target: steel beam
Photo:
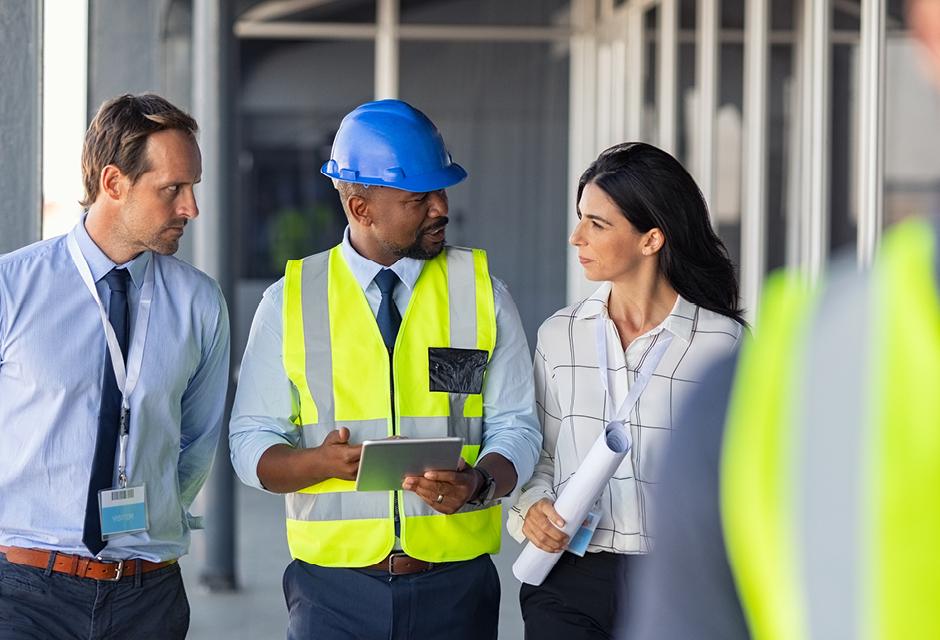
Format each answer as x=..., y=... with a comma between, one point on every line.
x=754, y=182
x=871, y=136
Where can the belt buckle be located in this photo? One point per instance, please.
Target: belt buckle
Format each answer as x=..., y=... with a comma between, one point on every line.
x=391, y=562
x=119, y=573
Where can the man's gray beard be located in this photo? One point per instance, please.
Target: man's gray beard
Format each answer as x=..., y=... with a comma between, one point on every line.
x=417, y=252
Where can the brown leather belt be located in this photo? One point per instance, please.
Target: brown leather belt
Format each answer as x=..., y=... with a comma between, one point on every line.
x=400, y=564
x=79, y=565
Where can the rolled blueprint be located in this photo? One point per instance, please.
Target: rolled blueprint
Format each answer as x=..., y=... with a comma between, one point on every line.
x=576, y=498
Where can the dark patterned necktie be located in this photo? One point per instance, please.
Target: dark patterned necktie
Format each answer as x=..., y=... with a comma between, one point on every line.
x=388, y=318
x=109, y=415
x=389, y=321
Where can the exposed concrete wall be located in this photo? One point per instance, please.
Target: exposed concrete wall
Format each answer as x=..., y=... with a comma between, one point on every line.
x=124, y=48
x=20, y=122
x=137, y=46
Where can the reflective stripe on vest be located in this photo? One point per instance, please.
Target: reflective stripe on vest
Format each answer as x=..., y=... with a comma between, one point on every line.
x=831, y=459
x=338, y=364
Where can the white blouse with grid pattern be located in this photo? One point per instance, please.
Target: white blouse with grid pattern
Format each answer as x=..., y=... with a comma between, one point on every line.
x=573, y=409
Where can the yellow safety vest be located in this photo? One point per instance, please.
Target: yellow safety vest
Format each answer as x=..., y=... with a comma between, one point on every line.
x=830, y=473
x=339, y=369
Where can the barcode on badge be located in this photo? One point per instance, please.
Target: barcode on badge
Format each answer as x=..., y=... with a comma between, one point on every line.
x=122, y=494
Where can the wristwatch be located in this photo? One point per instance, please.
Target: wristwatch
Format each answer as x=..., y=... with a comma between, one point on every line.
x=487, y=490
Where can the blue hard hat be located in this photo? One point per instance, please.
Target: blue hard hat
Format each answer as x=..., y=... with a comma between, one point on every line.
x=389, y=143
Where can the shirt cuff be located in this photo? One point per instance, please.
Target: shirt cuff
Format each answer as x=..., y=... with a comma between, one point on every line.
x=522, y=472
x=517, y=513
x=250, y=452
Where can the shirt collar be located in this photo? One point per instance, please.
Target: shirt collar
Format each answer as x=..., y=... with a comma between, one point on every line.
x=679, y=321
x=365, y=270
x=99, y=264
x=595, y=304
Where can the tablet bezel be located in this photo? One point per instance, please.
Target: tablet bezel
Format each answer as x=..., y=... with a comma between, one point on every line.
x=386, y=463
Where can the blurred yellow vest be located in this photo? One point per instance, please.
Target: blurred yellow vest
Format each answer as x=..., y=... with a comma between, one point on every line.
x=830, y=479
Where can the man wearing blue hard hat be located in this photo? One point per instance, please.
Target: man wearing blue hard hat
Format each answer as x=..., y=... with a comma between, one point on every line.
x=390, y=333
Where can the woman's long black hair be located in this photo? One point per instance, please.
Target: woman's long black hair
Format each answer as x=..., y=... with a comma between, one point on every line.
x=653, y=190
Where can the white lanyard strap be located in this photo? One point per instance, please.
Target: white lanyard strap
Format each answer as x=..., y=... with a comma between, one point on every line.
x=644, y=374
x=126, y=378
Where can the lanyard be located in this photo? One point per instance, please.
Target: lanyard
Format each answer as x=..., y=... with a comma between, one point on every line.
x=644, y=374
x=126, y=378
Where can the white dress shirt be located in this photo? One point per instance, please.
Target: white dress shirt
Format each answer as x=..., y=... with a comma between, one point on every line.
x=573, y=408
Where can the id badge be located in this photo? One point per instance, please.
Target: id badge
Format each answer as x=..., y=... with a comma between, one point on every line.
x=122, y=511
x=579, y=542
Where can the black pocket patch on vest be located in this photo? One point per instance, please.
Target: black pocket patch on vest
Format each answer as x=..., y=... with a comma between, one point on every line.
x=456, y=370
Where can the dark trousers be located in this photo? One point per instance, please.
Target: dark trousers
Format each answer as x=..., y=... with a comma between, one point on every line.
x=581, y=599
x=456, y=600
x=40, y=605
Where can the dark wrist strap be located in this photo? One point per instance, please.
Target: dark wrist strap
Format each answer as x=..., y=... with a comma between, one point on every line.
x=481, y=494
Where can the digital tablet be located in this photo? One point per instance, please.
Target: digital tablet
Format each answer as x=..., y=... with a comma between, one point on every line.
x=385, y=463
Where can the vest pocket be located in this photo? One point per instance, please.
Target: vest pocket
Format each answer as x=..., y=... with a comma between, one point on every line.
x=456, y=370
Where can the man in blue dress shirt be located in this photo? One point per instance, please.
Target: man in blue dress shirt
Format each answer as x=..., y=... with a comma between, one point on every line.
x=113, y=373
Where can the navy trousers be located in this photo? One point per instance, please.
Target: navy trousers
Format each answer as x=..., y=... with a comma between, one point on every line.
x=456, y=600
x=40, y=605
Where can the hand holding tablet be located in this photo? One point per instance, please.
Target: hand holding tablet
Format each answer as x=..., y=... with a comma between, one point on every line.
x=385, y=464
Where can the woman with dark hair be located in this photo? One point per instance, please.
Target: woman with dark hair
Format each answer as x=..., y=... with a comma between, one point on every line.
x=631, y=353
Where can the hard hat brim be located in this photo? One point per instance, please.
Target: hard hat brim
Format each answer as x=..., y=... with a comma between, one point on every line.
x=433, y=181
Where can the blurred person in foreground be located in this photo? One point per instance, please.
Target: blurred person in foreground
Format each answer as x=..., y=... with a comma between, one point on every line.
x=803, y=503
x=113, y=373
x=390, y=333
x=667, y=304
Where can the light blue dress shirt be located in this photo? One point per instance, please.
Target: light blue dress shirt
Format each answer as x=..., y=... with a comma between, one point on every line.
x=260, y=417
x=52, y=350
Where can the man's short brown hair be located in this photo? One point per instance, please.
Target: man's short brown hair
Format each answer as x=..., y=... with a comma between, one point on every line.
x=118, y=136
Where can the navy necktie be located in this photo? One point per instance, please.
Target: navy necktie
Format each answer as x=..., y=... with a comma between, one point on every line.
x=388, y=318
x=109, y=415
x=389, y=321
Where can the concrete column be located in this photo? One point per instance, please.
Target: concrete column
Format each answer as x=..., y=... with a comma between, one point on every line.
x=668, y=75
x=815, y=116
x=754, y=185
x=871, y=130
x=386, y=50
x=706, y=81
x=212, y=44
x=20, y=122
x=124, y=48
x=583, y=145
